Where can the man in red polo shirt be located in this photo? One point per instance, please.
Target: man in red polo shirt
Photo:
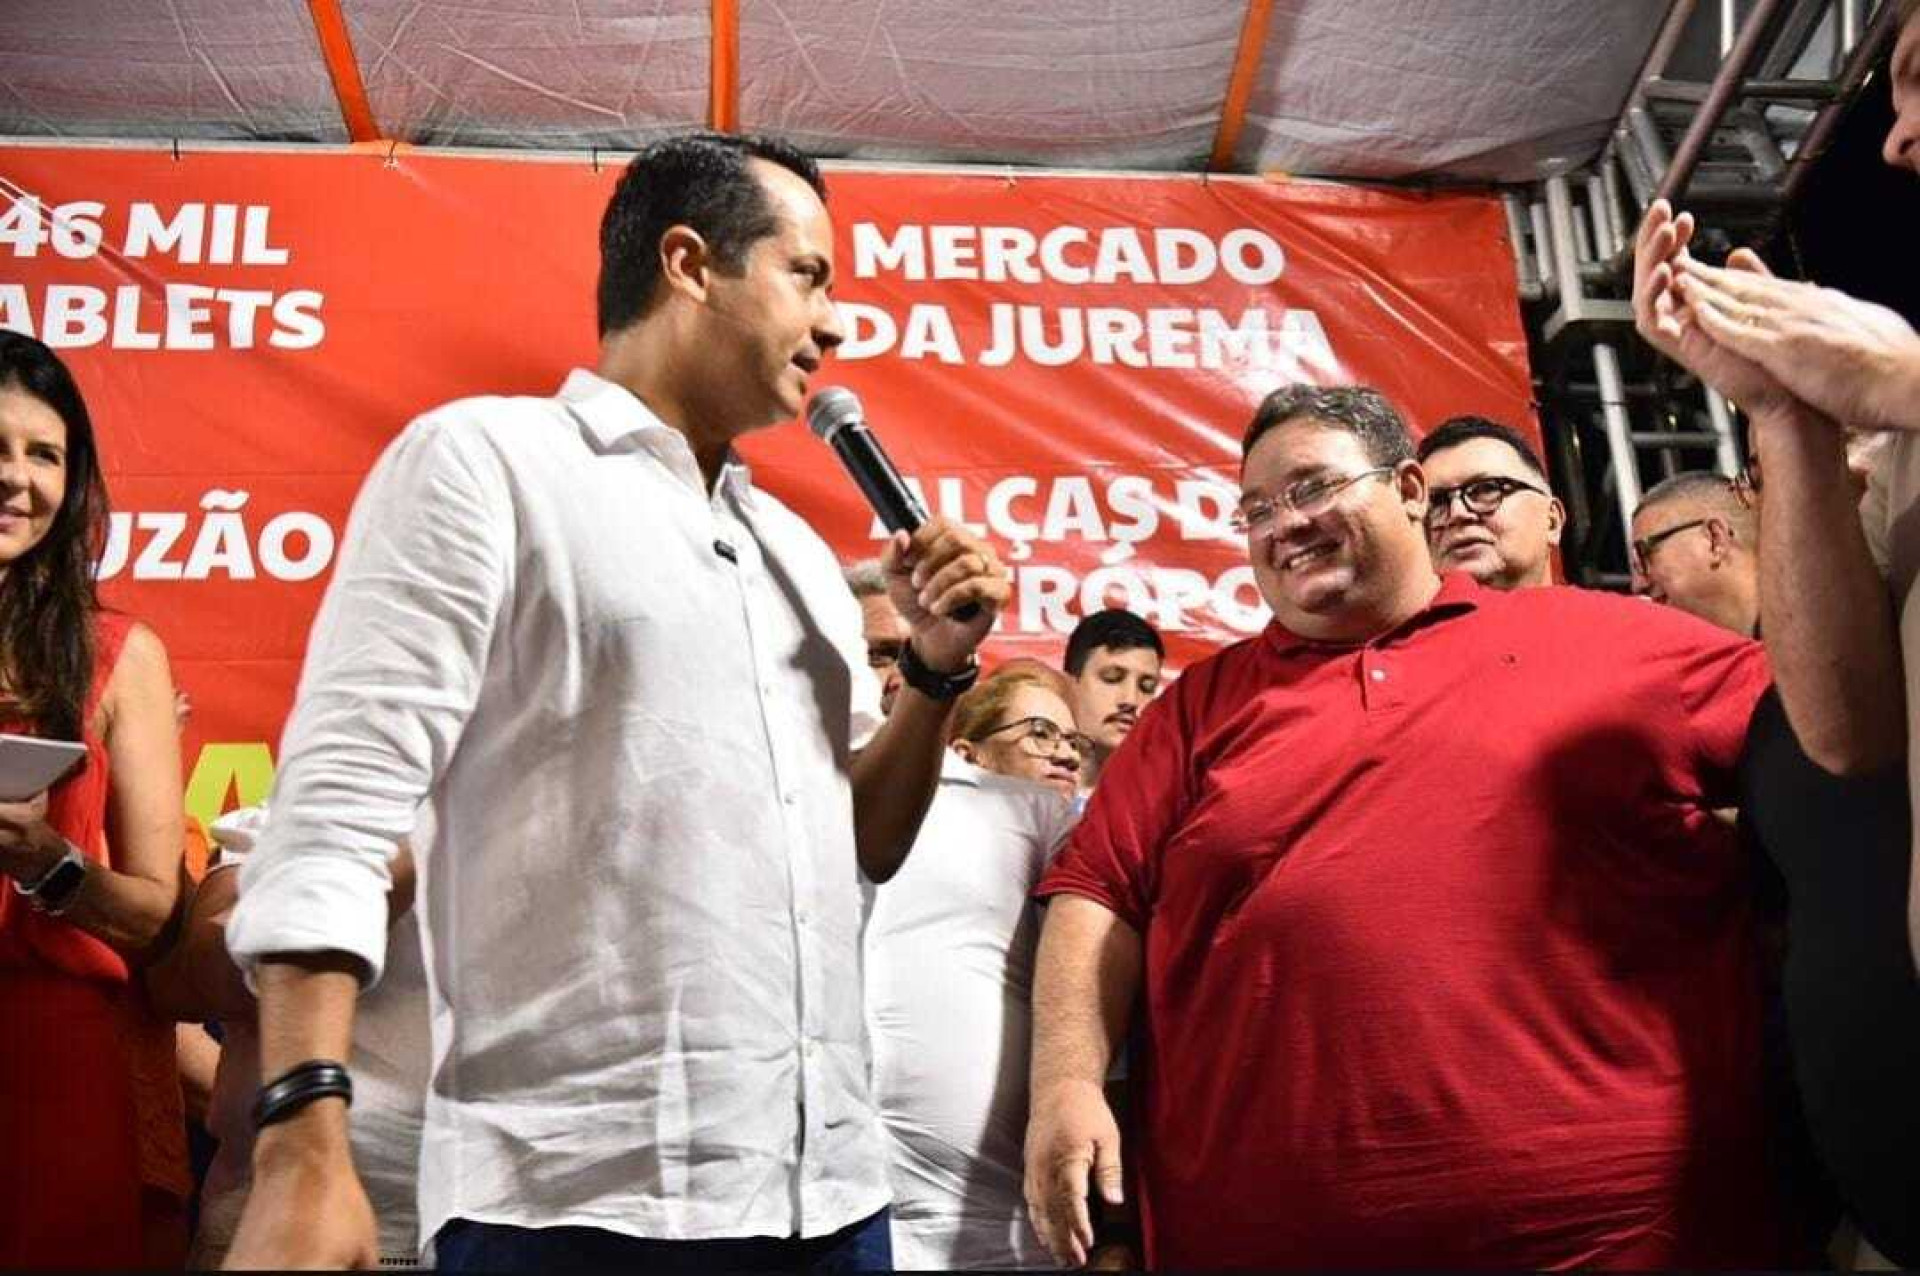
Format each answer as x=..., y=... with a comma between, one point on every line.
x=1446, y=961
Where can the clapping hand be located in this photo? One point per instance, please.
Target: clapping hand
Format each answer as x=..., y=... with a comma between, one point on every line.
x=1660, y=313
x=1855, y=362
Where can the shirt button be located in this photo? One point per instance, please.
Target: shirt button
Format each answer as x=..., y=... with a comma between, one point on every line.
x=791, y=799
x=1379, y=675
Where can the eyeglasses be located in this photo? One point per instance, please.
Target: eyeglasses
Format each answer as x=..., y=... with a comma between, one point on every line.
x=1482, y=496
x=1043, y=737
x=1306, y=498
x=1644, y=547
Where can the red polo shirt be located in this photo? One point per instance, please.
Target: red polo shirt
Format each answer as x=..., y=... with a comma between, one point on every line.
x=1448, y=963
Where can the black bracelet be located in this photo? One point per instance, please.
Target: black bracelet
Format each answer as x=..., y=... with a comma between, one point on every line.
x=297, y=1087
x=931, y=683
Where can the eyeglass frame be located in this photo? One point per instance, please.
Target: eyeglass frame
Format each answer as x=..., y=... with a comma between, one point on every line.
x=1643, y=548
x=1306, y=498
x=1440, y=499
x=1080, y=743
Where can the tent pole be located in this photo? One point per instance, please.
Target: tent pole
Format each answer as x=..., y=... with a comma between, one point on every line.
x=1246, y=65
x=336, y=46
x=723, y=82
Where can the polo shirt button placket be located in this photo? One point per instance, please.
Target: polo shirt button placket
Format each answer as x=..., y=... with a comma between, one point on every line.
x=1379, y=688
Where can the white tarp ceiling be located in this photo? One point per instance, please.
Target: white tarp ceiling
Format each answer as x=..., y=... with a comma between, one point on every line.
x=1500, y=90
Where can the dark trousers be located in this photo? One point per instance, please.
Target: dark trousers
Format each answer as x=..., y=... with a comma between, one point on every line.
x=463, y=1246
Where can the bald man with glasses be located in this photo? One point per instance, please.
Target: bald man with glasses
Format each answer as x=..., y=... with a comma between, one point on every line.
x=1696, y=545
x=1490, y=512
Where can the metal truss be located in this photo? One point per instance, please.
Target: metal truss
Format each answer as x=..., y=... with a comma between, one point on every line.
x=1733, y=107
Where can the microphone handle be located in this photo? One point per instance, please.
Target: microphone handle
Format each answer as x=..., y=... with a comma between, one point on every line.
x=879, y=481
x=873, y=470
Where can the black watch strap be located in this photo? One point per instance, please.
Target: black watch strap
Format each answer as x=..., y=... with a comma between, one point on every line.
x=297, y=1087
x=931, y=683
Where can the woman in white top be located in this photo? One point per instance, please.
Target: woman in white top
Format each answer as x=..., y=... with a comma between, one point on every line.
x=950, y=944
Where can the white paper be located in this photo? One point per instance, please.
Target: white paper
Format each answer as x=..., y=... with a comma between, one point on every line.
x=28, y=764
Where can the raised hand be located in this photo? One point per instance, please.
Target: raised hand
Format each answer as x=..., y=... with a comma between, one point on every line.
x=1660, y=312
x=935, y=572
x=1852, y=360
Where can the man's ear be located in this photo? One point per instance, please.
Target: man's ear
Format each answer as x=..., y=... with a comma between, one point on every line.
x=686, y=262
x=1720, y=539
x=965, y=749
x=1411, y=483
x=1556, y=519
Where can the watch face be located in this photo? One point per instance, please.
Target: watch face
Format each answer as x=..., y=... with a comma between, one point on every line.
x=57, y=890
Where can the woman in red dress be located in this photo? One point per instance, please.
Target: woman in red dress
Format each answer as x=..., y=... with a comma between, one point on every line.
x=91, y=867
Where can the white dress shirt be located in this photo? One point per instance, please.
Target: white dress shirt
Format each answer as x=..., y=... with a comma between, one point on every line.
x=950, y=949
x=641, y=904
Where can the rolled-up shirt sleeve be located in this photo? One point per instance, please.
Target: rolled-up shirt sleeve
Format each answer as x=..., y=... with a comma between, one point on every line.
x=393, y=670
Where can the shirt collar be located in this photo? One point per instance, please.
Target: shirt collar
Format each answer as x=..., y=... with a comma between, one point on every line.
x=955, y=769
x=1459, y=593
x=616, y=420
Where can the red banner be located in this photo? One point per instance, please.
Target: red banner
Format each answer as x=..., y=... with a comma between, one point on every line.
x=1065, y=362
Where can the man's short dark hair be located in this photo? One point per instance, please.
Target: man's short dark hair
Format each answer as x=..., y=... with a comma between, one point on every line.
x=1454, y=431
x=701, y=180
x=1114, y=628
x=1359, y=410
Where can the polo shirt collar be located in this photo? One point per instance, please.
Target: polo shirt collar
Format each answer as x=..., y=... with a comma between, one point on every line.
x=616, y=420
x=1459, y=594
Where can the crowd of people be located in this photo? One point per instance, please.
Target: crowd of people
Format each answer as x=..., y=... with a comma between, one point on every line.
x=719, y=911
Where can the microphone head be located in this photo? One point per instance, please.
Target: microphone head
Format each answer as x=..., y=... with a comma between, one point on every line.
x=832, y=410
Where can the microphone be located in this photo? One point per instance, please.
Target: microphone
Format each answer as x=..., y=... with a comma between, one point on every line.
x=835, y=415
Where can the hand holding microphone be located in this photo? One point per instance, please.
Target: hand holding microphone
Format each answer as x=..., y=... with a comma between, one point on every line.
x=947, y=582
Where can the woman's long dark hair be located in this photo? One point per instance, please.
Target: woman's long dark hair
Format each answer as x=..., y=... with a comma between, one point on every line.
x=47, y=600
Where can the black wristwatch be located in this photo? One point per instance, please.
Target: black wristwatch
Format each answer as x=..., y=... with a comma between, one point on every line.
x=54, y=891
x=931, y=683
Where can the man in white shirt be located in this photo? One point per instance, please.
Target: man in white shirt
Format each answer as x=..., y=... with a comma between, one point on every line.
x=632, y=688
x=950, y=945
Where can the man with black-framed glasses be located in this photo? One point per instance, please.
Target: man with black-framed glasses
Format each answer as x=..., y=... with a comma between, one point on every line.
x=1490, y=511
x=1696, y=546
